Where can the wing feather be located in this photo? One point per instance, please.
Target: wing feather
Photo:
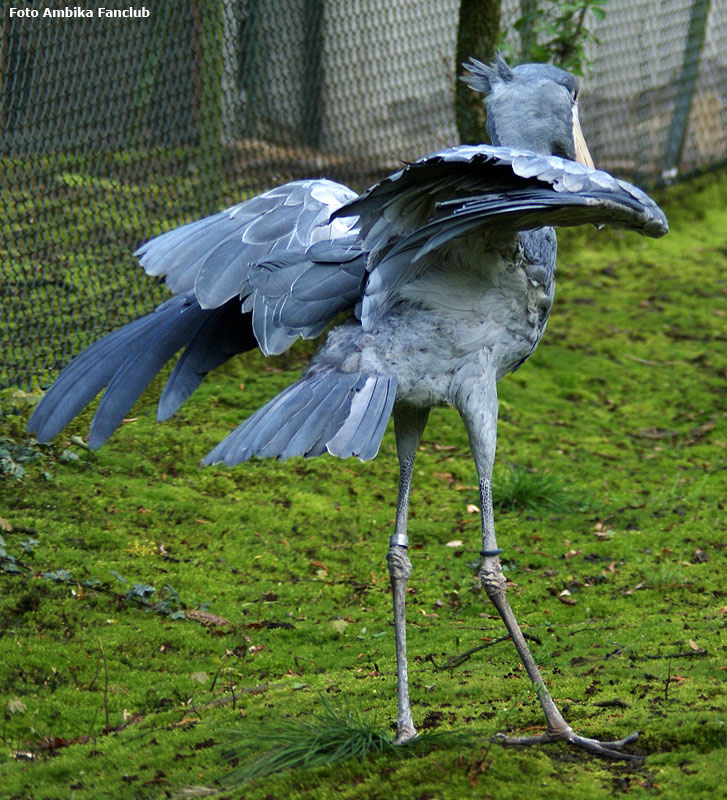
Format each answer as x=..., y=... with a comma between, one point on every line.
x=496, y=191
x=213, y=256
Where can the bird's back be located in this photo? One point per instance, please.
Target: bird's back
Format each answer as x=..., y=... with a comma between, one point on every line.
x=479, y=300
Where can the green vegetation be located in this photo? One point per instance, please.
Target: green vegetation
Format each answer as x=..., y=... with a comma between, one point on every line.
x=68, y=246
x=324, y=738
x=149, y=607
x=557, y=32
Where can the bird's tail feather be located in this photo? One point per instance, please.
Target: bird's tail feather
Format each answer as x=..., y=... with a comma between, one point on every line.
x=343, y=413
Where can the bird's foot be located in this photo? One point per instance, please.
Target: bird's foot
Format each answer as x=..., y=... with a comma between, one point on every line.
x=405, y=733
x=595, y=746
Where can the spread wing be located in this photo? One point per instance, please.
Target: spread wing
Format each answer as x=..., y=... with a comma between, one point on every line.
x=277, y=256
x=495, y=190
x=283, y=264
x=213, y=256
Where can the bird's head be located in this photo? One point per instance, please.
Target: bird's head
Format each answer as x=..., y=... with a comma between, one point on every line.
x=531, y=107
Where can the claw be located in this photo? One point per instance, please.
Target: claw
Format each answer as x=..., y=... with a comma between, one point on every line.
x=599, y=748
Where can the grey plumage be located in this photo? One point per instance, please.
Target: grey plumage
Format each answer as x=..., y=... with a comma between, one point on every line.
x=211, y=256
x=221, y=335
x=298, y=292
x=342, y=413
x=282, y=265
x=446, y=269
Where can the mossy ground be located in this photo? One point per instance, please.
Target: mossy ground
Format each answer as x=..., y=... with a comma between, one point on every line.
x=106, y=691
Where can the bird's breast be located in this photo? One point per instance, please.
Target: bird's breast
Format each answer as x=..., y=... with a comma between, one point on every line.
x=501, y=305
x=489, y=319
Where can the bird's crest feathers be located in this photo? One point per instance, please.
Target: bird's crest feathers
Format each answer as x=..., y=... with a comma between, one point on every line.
x=483, y=78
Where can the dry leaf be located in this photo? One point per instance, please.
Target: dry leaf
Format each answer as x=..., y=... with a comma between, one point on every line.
x=694, y=645
x=205, y=618
x=15, y=706
x=565, y=597
x=473, y=509
x=454, y=543
x=186, y=722
x=5, y=525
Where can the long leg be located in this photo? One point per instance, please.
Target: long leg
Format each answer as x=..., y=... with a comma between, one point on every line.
x=479, y=412
x=409, y=425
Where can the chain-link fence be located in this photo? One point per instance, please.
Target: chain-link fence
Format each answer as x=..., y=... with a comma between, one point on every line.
x=136, y=118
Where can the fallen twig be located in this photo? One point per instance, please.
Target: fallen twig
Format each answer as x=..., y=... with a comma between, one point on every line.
x=685, y=654
x=455, y=661
x=650, y=363
x=107, y=726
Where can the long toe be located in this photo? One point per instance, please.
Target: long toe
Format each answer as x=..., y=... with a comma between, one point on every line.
x=604, y=749
x=617, y=745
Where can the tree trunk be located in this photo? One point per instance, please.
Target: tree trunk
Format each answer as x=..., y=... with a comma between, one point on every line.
x=477, y=34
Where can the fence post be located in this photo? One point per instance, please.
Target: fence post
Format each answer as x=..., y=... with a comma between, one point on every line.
x=312, y=70
x=148, y=75
x=685, y=88
x=527, y=33
x=211, y=98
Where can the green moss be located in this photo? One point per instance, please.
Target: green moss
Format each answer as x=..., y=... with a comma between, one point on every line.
x=623, y=403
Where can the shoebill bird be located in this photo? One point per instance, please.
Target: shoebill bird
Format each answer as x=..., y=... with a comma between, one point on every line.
x=447, y=269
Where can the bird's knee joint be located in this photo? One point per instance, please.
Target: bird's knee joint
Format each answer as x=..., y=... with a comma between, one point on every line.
x=399, y=563
x=492, y=579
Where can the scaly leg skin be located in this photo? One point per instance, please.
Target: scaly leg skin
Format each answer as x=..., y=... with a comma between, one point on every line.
x=475, y=397
x=409, y=425
x=493, y=583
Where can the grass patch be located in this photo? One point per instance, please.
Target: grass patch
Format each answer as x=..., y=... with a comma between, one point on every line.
x=518, y=489
x=324, y=738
